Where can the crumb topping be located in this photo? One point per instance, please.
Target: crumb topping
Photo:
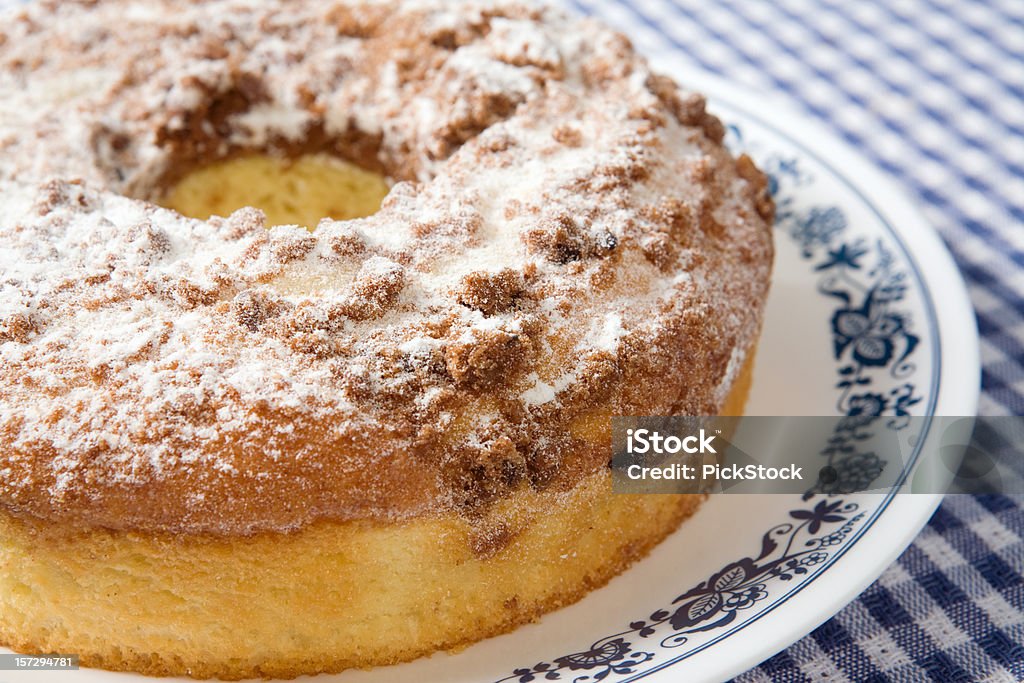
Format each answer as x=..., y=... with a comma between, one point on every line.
x=566, y=239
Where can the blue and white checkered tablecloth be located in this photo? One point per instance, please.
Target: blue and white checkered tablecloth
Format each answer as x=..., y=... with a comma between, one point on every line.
x=932, y=91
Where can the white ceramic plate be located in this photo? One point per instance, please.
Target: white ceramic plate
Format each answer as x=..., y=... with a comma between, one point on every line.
x=867, y=315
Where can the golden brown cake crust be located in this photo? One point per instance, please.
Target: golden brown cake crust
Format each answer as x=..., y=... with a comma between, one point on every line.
x=332, y=596
x=567, y=239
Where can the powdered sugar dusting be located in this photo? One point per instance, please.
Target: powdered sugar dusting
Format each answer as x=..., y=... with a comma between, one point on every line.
x=565, y=236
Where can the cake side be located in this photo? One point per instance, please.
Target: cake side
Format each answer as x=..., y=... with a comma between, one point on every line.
x=332, y=596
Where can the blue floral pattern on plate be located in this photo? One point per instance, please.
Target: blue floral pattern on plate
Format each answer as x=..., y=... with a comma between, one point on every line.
x=788, y=550
x=871, y=334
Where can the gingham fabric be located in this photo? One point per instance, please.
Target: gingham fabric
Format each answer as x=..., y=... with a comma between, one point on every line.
x=932, y=91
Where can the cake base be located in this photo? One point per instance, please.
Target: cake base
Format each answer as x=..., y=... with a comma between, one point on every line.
x=331, y=596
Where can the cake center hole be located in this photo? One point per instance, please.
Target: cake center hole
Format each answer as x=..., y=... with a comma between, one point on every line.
x=298, y=191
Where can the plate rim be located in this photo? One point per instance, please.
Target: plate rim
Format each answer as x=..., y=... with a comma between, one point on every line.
x=956, y=385
x=957, y=388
